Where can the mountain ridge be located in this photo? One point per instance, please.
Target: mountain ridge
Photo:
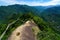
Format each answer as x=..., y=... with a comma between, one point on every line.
x=48, y=24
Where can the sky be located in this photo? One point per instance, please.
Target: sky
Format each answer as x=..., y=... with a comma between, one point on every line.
x=30, y=2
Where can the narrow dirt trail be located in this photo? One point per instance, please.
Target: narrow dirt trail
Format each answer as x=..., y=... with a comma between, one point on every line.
x=7, y=29
x=23, y=32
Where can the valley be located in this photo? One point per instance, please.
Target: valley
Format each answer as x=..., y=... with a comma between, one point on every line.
x=46, y=18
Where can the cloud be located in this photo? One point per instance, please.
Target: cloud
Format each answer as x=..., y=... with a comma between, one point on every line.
x=9, y=1
x=31, y=3
x=53, y=2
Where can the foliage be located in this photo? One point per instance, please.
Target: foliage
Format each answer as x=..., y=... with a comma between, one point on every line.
x=48, y=27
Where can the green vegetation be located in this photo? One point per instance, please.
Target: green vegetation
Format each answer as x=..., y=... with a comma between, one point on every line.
x=48, y=30
x=52, y=17
x=22, y=18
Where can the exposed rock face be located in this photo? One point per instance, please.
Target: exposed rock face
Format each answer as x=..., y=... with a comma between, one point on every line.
x=23, y=32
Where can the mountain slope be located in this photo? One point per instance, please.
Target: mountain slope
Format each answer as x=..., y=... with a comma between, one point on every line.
x=49, y=30
x=52, y=15
x=7, y=11
x=41, y=8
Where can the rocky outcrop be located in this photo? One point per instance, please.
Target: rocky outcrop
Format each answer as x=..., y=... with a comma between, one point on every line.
x=24, y=32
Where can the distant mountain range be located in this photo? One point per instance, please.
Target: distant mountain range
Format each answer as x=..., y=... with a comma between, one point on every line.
x=8, y=11
x=50, y=14
x=44, y=11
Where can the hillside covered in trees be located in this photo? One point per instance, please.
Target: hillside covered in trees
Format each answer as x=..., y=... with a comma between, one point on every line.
x=11, y=13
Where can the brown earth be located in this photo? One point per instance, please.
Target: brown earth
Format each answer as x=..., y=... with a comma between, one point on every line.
x=23, y=32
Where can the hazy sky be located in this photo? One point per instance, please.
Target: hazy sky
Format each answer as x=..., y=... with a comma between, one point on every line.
x=30, y=2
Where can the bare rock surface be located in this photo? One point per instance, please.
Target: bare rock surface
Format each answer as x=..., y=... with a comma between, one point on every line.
x=23, y=32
